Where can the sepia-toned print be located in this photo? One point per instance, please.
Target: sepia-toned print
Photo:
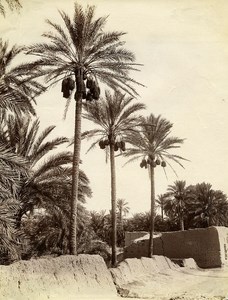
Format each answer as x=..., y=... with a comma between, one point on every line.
x=113, y=149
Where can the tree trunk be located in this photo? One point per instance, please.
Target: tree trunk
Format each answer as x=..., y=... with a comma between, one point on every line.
x=75, y=168
x=162, y=212
x=113, y=201
x=182, y=223
x=121, y=218
x=181, y=217
x=151, y=245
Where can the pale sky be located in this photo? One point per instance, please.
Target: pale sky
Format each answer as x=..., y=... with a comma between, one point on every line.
x=183, y=45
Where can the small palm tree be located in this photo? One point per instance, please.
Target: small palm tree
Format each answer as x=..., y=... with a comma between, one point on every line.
x=18, y=88
x=123, y=209
x=152, y=143
x=115, y=116
x=209, y=206
x=177, y=196
x=161, y=200
x=139, y=222
x=97, y=221
x=84, y=50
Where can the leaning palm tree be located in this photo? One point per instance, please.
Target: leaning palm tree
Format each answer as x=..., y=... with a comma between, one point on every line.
x=152, y=143
x=81, y=48
x=115, y=116
x=177, y=197
x=18, y=87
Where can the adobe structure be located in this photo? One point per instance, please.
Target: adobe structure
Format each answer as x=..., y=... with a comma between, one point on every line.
x=207, y=246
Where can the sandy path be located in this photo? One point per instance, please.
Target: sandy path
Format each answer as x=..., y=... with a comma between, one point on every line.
x=185, y=284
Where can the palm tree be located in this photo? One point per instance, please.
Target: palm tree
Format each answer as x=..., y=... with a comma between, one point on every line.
x=97, y=222
x=49, y=176
x=161, y=200
x=84, y=50
x=12, y=4
x=152, y=143
x=44, y=186
x=139, y=222
x=122, y=209
x=11, y=167
x=208, y=206
x=9, y=235
x=115, y=117
x=177, y=196
x=18, y=88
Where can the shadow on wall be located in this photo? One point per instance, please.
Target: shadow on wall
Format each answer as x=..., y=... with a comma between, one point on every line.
x=207, y=246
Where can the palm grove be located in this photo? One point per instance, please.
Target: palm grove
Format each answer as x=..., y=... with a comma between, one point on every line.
x=42, y=187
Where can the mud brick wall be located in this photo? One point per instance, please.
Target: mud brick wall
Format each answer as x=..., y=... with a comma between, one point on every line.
x=223, y=241
x=208, y=247
x=131, y=236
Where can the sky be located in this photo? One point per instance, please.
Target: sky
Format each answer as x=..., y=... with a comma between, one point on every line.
x=183, y=46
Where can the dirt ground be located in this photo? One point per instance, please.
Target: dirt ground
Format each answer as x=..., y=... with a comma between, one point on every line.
x=184, y=284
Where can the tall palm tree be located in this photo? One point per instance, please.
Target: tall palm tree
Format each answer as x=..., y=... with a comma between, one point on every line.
x=177, y=197
x=12, y=4
x=152, y=143
x=18, y=87
x=115, y=116
x=84, y=50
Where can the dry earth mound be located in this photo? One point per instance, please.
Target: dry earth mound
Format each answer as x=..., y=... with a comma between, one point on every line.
x=64, y=277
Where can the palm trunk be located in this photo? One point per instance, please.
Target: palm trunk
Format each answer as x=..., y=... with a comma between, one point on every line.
x=113, y=201
x=181, y=217
x=151, y=245
x=162, y=212
x=182, y=223
x=75, y=168
x=121, y=218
